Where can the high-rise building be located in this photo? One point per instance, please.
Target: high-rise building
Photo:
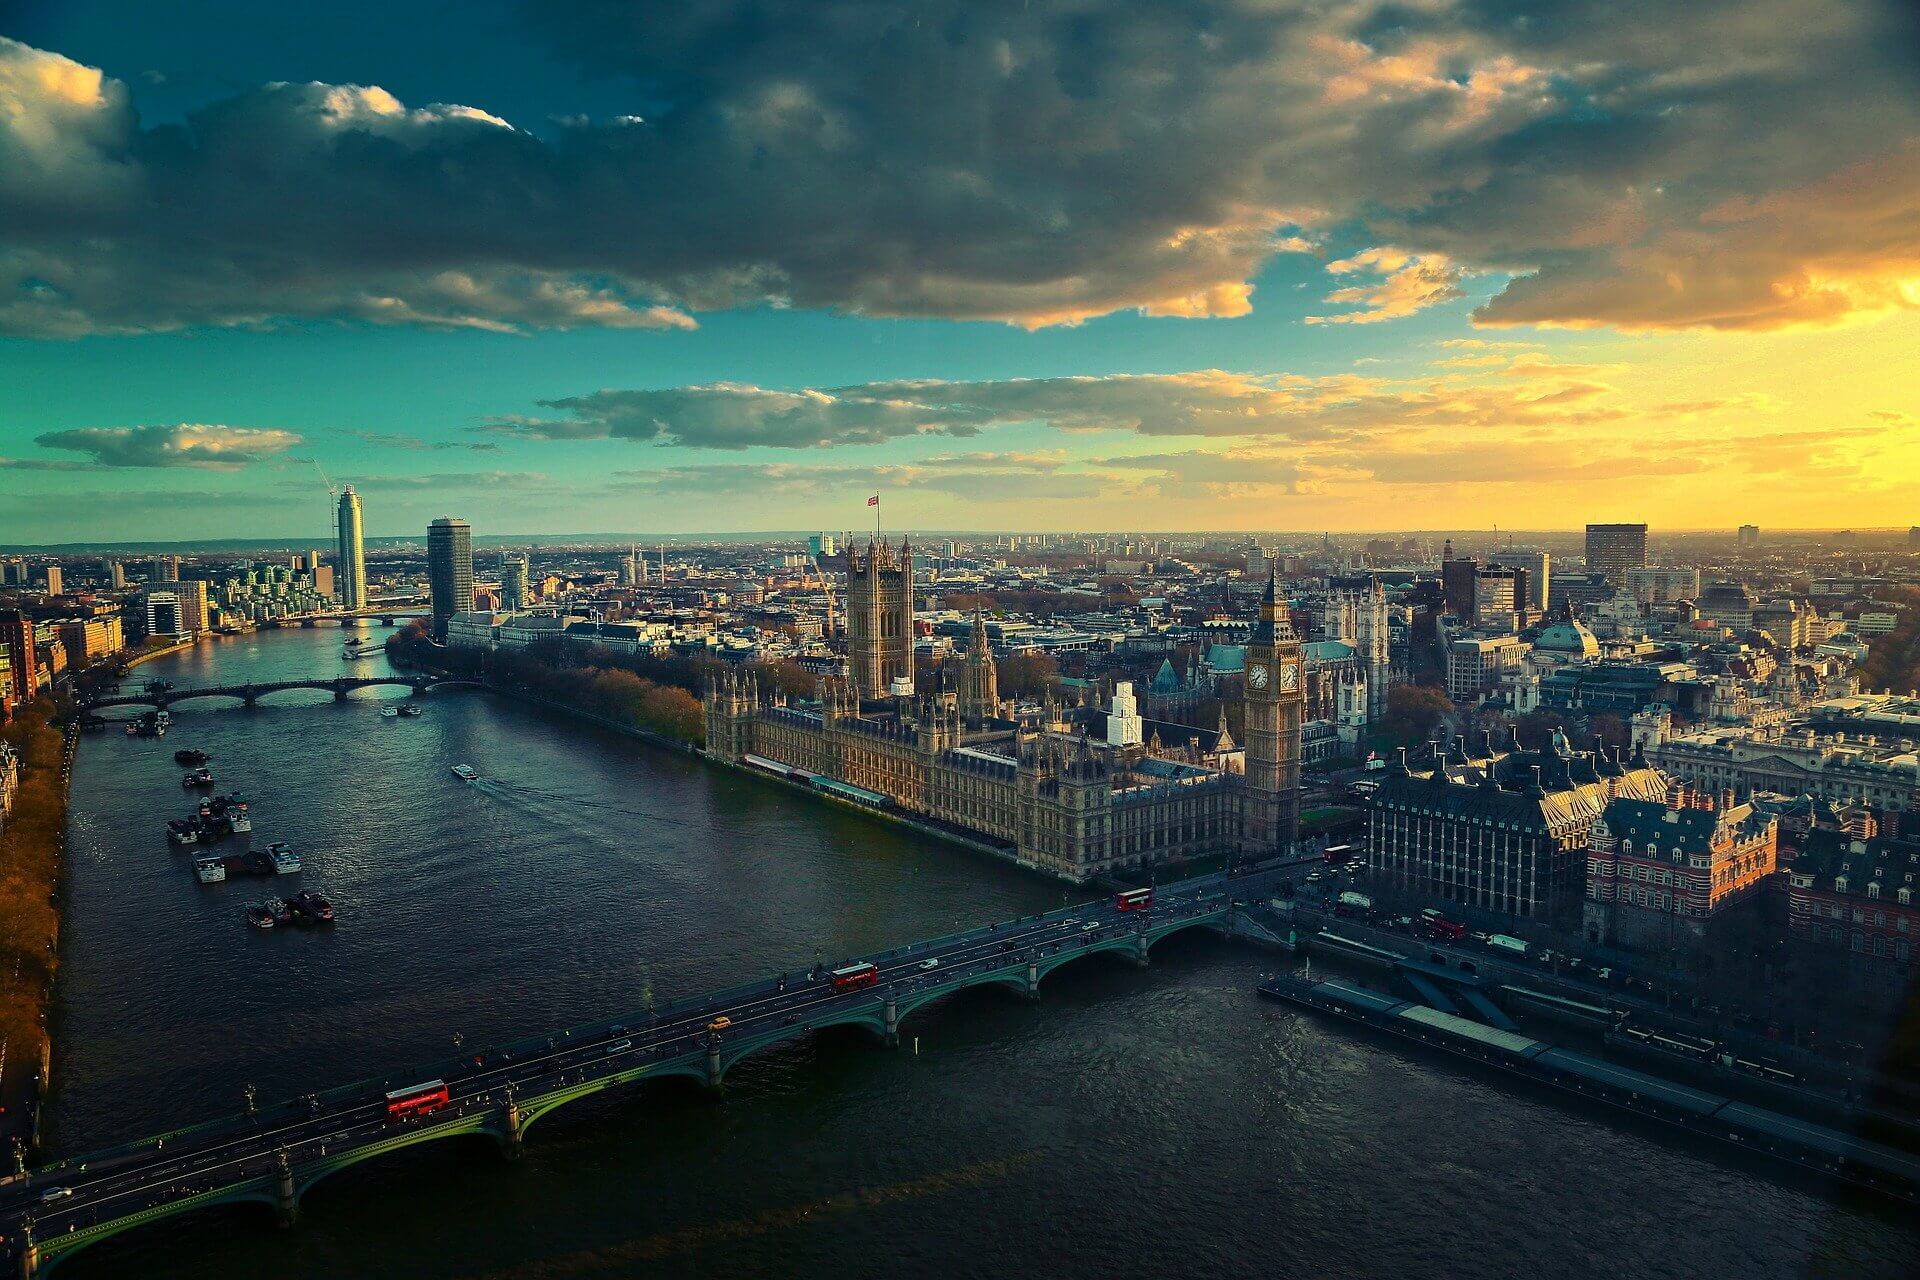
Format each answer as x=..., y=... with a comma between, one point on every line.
x=1538, y=566
x=190, y=605
x=116, y=574
x=513, y=583
x=630, y=568
x=163, y=569
x=1497, y=595
x=1275, y=696
x=16, y=637
x=1456, y=585
x=352, y=551
x=879, y=617
x=449, y=570
x=1661, y=585
x=1913, y=538
x=1612, y=549
x=1749, y=535
x=164, y=616
x=56, y=581
x=322, y=579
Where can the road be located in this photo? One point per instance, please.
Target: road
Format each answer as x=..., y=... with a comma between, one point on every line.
x=75, y=1194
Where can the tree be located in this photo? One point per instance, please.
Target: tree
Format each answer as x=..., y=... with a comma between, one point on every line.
x=1027, y=675
x=1413, y=712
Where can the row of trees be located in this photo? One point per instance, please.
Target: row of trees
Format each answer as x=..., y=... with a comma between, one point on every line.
x=655, y=694
x=29, y=872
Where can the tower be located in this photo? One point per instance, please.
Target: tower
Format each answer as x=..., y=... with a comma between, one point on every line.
x=449, y=570
x=352, y=552
x=979, y=679
x=879, y=617
x=1275, y=701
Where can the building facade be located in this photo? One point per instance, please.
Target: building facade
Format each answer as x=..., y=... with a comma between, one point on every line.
x=1612, y=549
x=1852, y=899
x=1840, y=768
x=1662, y=873
x=1503, y=832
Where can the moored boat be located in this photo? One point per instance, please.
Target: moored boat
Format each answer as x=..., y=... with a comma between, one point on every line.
x=210, y=870
x=285, y=860
x=260, y=916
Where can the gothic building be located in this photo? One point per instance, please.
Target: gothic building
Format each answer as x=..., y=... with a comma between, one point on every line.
x=1356, y=613
x=979, y=680
x=1076, y=792
x=879, y=616
x=1275, y=701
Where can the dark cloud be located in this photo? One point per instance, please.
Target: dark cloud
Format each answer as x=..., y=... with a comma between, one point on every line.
x=387, y=440
x=176, y=445
x=1637, y=164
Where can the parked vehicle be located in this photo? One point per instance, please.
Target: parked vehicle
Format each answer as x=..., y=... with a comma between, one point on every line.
x=1509, y=945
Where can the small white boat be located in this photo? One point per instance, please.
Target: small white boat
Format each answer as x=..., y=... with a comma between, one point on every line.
x=389, y=713
x=285, y=860
x=241, y=822
x=465, y=773
x=210, y=870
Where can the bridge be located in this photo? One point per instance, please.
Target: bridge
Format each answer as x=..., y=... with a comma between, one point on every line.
x=273, y=1156
x=385, y=617
x=162, y=695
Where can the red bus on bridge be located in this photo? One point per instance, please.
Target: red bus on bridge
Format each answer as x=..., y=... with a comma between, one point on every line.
x=417, y=1100
x=855, y=976
x=1133, y=900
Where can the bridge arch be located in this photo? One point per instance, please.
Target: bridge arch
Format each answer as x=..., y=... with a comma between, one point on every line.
x=55, y=1249
x=310, y=1173
x=539, y=1107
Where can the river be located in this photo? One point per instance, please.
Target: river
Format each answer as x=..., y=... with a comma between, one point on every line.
x=1132, y=1123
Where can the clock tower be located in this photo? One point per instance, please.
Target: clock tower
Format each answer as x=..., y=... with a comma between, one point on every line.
x=1275, y=703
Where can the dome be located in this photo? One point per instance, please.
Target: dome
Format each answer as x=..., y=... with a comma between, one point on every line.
x=1568, y=637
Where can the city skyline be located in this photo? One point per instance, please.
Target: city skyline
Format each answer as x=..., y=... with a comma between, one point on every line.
x=1599, y=265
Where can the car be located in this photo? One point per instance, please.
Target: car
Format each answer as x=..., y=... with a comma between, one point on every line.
x=930, y=963
x=1603, y=975
x=619, y=1046
x=1313, y=877
x=720, y=1023
x=55, y=1193
x=1089, y=926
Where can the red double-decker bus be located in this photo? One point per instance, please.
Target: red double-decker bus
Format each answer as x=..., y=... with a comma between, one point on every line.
x=1133, y=900
x=855, y=976
x=417, y=1100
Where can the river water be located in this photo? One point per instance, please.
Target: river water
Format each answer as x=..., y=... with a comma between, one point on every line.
x=1132, y=1123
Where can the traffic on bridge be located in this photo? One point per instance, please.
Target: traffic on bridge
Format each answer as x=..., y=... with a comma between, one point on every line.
x=274, y=1155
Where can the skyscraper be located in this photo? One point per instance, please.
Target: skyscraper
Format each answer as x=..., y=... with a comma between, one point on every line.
x=56, y=582
x=449, y=570
x=1612, y=549
x=1749, y=535
x=352, y=552
x=513, y=583
x=116, y=574
x=1538, y=566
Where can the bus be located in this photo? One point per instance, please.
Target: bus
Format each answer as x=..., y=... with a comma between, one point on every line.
x=855, y=976
x=1133, y=900
x=417, y=1100
x=1337, y=854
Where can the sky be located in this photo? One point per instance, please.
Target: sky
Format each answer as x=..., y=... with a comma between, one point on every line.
x=725, y=265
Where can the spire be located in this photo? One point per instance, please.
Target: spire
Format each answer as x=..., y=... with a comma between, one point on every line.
x=1225, y=741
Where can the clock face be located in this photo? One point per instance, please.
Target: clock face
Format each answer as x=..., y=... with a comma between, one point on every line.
x=1289, y=677
x=1257, y=676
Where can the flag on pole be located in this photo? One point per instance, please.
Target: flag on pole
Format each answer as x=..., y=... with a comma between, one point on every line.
x=874, y=501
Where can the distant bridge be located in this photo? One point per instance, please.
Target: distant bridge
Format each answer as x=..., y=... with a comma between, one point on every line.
x=273, y=1157
x=385, y=617
x=161, y=696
